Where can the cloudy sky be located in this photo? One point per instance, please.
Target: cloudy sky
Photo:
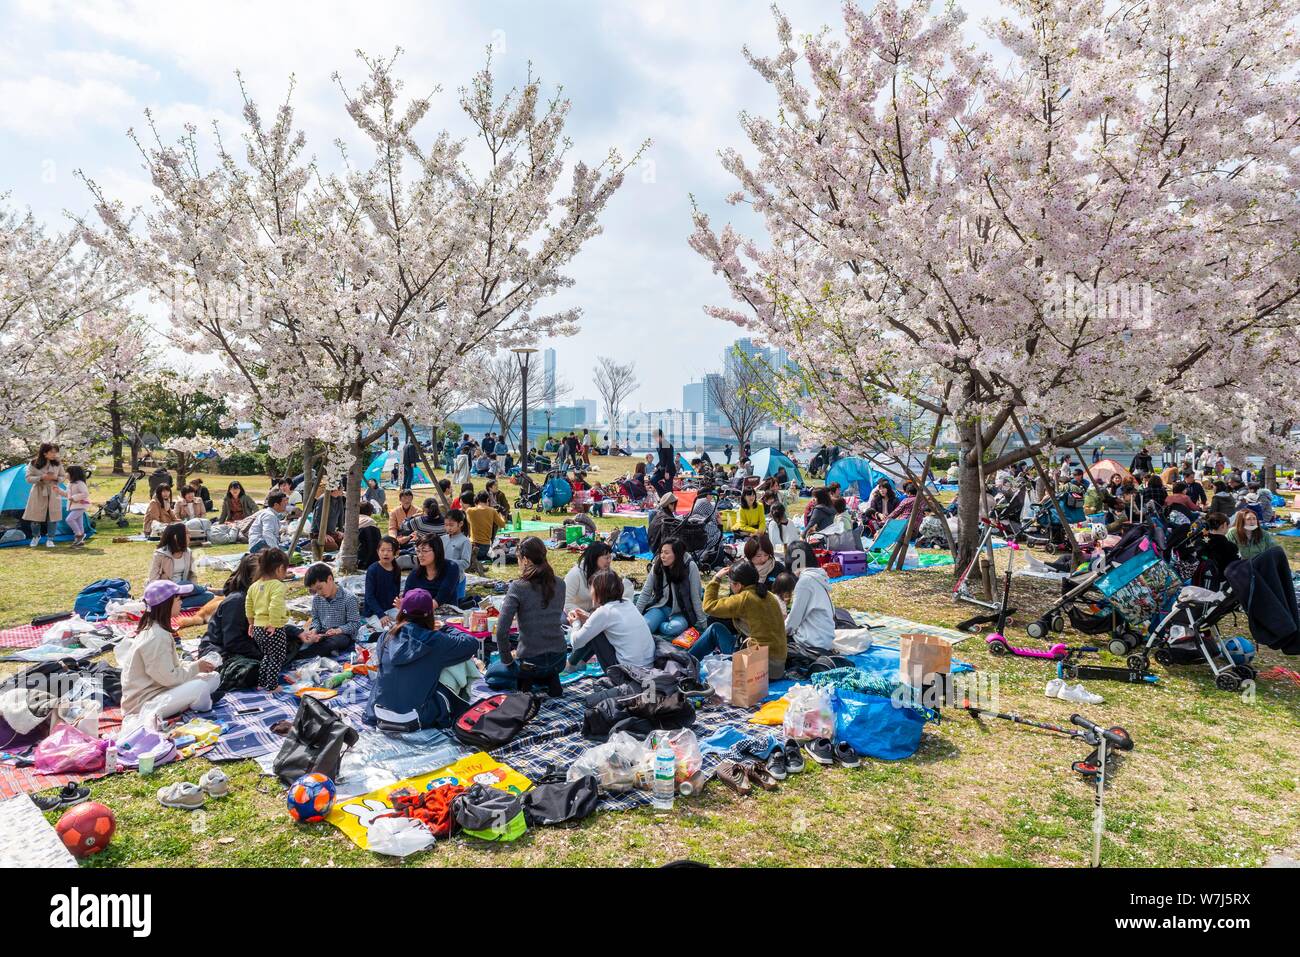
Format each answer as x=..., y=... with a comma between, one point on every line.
x=75, y=76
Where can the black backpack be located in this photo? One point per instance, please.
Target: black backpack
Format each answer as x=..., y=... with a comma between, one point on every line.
x=561, y=802
x=315, y=744
x=495, y=721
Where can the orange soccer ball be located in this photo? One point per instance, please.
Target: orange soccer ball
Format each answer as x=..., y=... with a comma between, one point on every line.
x=87, y=828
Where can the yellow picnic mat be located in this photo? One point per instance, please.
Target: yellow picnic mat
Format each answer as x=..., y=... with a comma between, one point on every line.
x=354, y=816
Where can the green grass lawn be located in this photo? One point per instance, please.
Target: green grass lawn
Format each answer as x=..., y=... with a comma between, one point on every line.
x=1212, y=781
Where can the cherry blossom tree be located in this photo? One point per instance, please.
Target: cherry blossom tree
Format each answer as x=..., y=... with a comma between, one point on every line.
x=50, y=285
x=1050, y=246
x=341, y=302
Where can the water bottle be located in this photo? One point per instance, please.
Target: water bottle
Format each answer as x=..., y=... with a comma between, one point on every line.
x=665, y=777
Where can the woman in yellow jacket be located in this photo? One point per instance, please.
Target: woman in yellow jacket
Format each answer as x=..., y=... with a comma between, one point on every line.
x=753, y=608
x=267, y=615
x=753, y=517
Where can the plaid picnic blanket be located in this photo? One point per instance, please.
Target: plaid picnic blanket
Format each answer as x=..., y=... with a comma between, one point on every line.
x=248, y=716
x=32, y=636
x=555, y=738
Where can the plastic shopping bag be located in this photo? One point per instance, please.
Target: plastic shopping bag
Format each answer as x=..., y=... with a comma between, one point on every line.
x=686, y=748
x=716, y=670
x=810, y=713
x=398, y=836
x=620, y=764
x=68, y=750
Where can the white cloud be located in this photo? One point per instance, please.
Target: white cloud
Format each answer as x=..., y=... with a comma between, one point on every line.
x=41, y=106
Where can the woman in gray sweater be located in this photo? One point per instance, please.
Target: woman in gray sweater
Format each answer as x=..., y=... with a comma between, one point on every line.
x=535, y=602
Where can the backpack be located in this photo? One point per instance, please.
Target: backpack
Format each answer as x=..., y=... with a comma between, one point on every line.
x=92, y=601
x=495, y=721
x=561, y=802
x=315, y=744
x=637, y=708
x=489, y=813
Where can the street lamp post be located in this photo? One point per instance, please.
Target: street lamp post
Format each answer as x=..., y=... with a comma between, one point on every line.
x=522, y=355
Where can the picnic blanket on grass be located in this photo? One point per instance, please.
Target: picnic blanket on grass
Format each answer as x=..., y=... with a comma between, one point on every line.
x=15, y=780
x=32, y=636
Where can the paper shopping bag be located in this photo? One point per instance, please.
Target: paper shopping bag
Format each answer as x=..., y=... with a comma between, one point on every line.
x=749, y=676
x=920, y=657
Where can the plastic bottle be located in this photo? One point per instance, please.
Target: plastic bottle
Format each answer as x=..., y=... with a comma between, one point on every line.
x=665, y=777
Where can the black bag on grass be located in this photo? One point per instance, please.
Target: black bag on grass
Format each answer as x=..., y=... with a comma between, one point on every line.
x=495, y=721
x=315, y=744
x=561, y=802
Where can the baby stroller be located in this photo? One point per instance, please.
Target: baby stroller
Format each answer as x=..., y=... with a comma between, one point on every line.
x=1044, y=529
x=1189, y=634
x=117, y=508
x=1119, y=595
x=530, y=493
x=701, y=532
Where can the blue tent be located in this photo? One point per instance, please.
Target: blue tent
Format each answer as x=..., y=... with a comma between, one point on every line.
x=13, y=499
x=683, y=465
x=376, y=471
x=859, y=472
x=768, y=461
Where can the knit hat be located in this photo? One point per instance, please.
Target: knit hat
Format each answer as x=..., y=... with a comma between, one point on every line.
x=157, y=592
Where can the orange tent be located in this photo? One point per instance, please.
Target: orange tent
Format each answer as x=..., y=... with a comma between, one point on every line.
x=1103, y=470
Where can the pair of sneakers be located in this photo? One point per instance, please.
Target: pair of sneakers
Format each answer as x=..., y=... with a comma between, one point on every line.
x=824, y=752
x=190, y=797
x=786, y=759
x=1059, y=688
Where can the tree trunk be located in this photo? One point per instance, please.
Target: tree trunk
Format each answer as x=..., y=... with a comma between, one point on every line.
x=115, y=422
x=182, y=468
x=352, y=515
x=969, y=493
x=1269, y=475
x=135, y=455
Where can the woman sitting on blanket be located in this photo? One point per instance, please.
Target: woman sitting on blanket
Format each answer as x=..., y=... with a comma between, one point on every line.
x=237, y=505
x=409, y=693
x=670, y=598
x=156, y=684
x=535, y=604
x=161, y=511
x=614, y=632
x=434, y=573
x=173, y=561
x=577, y=583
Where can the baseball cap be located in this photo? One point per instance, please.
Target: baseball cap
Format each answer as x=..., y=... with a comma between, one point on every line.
x=157, y=592
x=417, y=601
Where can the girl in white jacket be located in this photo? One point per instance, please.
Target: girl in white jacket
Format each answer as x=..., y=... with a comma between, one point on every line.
x=155, y=682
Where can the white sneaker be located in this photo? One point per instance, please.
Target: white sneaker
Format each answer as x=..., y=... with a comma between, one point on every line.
x=35, y=541
x=1080, y=695
x=49, y=543
x=1054, y=688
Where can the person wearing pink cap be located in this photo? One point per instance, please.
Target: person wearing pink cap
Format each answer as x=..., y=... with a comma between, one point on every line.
x=155, y=682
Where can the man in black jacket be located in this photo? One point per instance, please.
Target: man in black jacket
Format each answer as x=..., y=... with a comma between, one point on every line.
x=1263, y=586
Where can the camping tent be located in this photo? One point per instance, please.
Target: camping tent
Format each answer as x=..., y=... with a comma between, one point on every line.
x=377, y=472
x=1104, y=469
x=13, y=499
x=859, y=473
x=768, y=461
x=683, y=465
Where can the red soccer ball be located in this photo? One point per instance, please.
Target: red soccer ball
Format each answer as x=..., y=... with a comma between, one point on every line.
x=87, y=828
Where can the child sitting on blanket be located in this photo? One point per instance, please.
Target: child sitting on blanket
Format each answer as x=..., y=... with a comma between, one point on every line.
x=156, y=684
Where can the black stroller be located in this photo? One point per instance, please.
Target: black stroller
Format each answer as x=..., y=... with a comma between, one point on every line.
x=701, y=532
x=117, y=508
x=1189, y=634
